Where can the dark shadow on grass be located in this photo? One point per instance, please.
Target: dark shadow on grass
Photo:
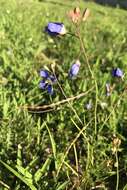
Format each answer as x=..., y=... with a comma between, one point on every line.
x=111, y=181
x=112, y=3
x=55, y=3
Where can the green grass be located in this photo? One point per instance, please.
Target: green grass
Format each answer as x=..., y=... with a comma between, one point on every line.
x=59, y=150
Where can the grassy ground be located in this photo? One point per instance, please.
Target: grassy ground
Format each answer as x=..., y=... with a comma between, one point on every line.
x=70, y=147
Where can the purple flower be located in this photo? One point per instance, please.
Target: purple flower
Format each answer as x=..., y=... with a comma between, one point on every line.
x=43, y=84
x=50, y=89
x=44, y=74
x=54, y=29
x=52, y=78
x=74, y=69
x=47, y=82
x=108, y=89
x=117, y=72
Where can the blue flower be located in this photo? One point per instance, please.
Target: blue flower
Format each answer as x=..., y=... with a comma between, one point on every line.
x=117, y=72
x=54, y=29
x=43, y=84
x=47, y=82
x=50, y=89
x=52, y=78
x=74, y=69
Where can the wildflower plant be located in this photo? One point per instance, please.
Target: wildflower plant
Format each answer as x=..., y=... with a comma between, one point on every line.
x=72, y=134
x=55, y=29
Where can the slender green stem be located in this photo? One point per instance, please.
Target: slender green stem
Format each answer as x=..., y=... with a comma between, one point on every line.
x=4, y=184
x=68, y=101
x=92, y=75
x=76, y=158
x=117, y=180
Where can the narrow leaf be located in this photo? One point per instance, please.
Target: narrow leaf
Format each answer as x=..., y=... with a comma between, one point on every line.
x=52, y=143
x=24, y=172
x=32, y=163
x=63, y=186
x=42, y=171
x=19, y=155
x=31, y=186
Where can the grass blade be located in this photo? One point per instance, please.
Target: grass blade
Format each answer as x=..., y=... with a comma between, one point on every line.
x=41, y=171
x=31, y=186
x=53, y=144
x=63, y=186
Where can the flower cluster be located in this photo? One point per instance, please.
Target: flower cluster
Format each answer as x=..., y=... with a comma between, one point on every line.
x=47, y=82
x=58, y=29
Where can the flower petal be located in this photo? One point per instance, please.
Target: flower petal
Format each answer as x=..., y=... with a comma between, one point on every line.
x=52, y=78
x=50, y=89
x=44, y=73
x=42, y=84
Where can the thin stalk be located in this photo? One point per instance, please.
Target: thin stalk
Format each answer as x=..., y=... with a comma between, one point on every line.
x=67, y=99
x=76, y=158
x=53, y=105
x=92, y=75
x=73, y=142
x=5, y=185
x=117, y=179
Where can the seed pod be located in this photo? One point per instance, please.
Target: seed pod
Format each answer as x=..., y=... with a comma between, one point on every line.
x=86, y=14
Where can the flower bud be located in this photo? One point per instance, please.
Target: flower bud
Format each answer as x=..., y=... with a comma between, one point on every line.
x=86, y=14
x=117, y=73
x=74, y=69
x=75, y=15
